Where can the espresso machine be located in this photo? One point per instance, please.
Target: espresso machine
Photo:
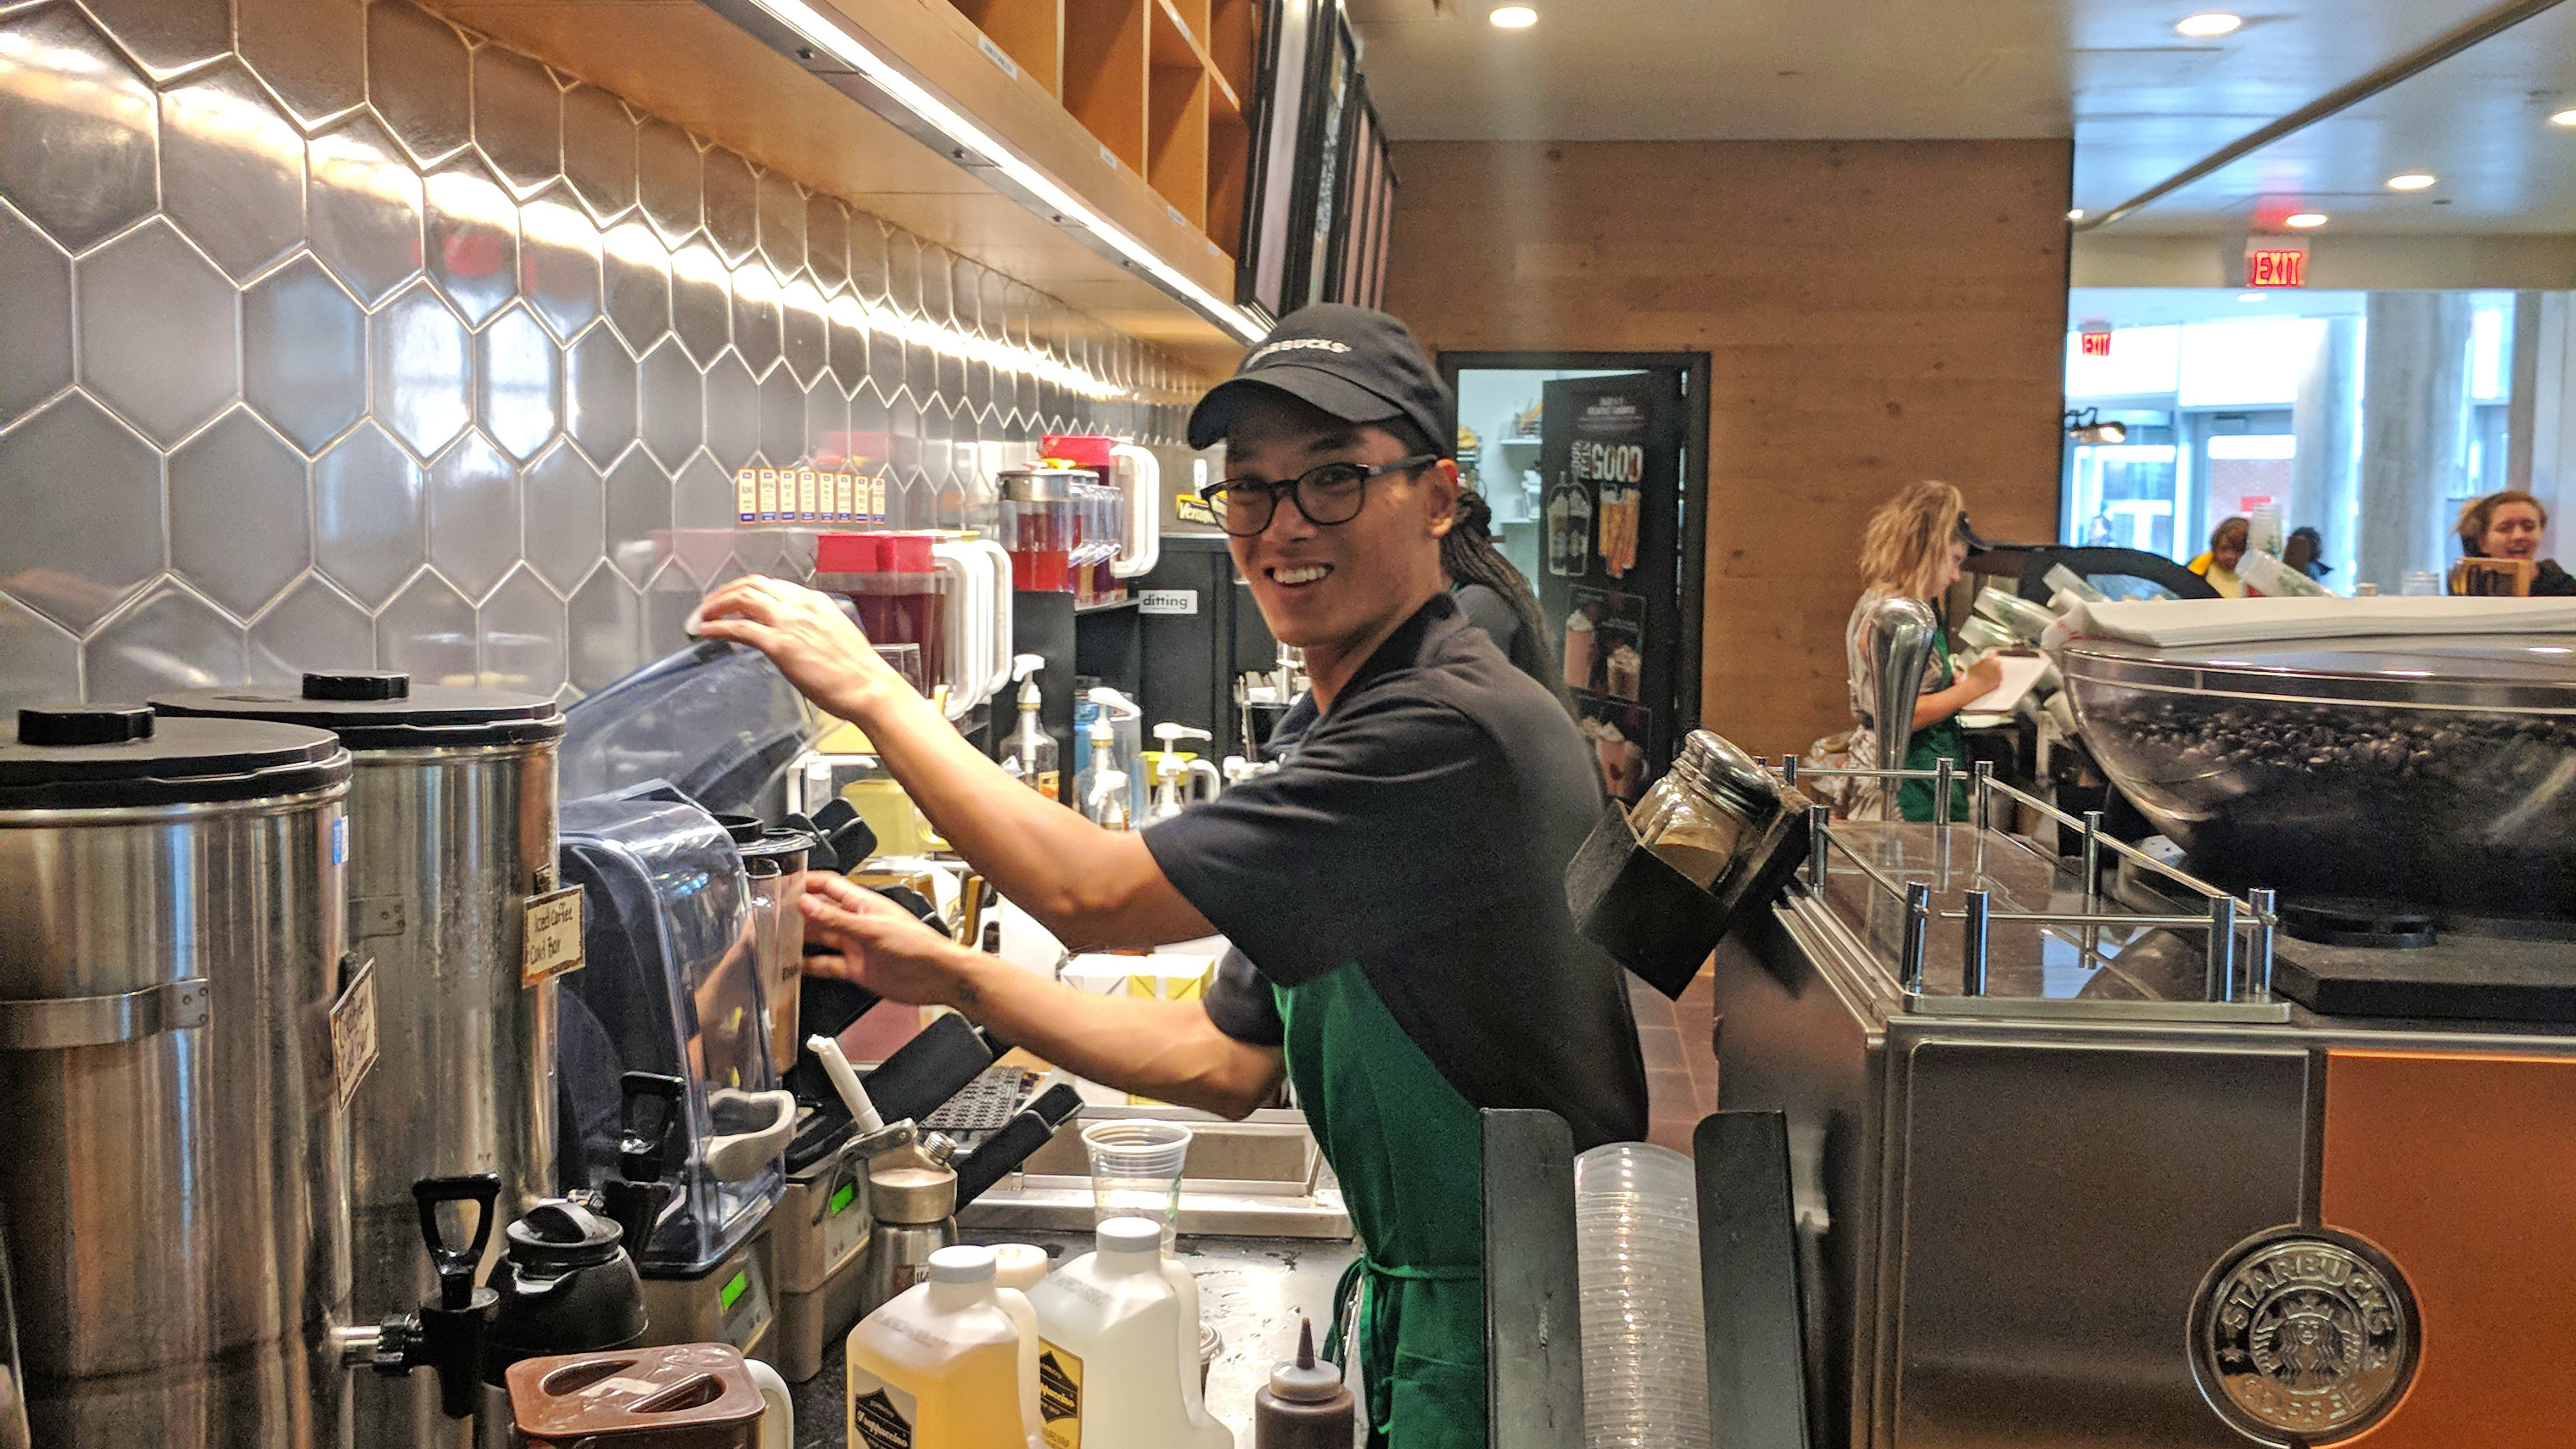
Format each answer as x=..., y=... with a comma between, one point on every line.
x=2120, y=1147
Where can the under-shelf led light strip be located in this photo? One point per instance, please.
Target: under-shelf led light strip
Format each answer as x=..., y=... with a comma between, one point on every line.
x=825, y=36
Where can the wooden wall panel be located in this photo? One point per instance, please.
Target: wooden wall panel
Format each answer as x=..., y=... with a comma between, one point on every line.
x=1875, y=312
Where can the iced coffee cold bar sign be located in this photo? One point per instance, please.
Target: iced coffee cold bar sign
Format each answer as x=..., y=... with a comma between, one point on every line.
x=1611, y=448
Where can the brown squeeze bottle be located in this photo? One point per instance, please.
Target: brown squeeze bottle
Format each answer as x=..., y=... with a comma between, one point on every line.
x=1305, y=1406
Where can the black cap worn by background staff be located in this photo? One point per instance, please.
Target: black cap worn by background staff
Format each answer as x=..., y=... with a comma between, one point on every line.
x=1359, y=365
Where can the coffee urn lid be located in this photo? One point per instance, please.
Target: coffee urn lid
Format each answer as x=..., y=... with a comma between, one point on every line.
x=382, y=710
x=96, y=757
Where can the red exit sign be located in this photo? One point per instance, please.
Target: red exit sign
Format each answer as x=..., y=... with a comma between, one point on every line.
x=2276, y=266
x=2097, y=344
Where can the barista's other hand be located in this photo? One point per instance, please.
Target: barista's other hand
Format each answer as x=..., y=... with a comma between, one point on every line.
x=819, y=649
x=879, y=944
x=1983, y=677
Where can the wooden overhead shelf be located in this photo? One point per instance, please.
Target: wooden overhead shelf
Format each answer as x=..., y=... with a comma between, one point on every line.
x=1161, y=84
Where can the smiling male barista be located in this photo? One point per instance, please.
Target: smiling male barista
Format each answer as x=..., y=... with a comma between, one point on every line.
x=1403, y=951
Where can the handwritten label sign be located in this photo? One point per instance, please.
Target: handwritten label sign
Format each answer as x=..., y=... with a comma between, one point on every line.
x=554, y=935
x=353, y=1033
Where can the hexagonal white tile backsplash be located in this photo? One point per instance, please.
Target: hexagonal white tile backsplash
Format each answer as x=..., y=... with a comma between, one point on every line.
x=339, y=337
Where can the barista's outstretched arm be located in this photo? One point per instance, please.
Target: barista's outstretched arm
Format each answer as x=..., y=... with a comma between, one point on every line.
x=1091, y=887
x=1167, y=1050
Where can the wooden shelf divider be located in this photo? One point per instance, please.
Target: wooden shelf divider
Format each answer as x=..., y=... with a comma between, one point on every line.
x=1030, y=34
x=1162, y=84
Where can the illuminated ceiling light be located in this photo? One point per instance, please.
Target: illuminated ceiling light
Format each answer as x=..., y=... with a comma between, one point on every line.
x=2210, y=26
x=2076, y=215
x=973, y=141
x=2249, y=296
x=2563, y=118
x=2306, y=220
x=1513, y=17
x=2411, y=181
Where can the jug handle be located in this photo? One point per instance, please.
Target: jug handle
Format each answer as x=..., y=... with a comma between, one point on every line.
x=778, y=1423
x=736, y=1157
x=1142, y=548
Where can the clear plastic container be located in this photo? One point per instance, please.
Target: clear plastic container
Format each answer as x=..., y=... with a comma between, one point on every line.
x=1136, y=1171
x=670, y=984
x=716, y=720
x=893, y=579
x=1636, y=1232
x=1042, y=525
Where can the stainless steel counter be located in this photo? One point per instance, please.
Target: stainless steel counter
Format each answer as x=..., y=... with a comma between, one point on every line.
x=1252, y=1290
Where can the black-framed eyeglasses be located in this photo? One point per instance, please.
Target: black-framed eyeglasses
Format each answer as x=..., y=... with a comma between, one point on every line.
x=1327, y=495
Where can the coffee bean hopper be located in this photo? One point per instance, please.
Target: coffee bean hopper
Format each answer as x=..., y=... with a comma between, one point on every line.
x=2071, y=1165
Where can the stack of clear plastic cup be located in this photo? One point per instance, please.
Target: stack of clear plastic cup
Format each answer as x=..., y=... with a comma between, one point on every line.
x=1645, y=1350
x=1136, y=1168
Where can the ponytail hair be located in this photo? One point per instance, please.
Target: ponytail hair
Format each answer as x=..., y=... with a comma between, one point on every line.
x=1468, y=556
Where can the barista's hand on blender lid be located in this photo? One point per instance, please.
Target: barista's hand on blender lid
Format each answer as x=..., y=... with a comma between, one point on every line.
x=878, y=944
x=820, y=649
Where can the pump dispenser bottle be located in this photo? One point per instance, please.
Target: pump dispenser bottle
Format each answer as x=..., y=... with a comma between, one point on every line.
x=1030, y=753
x=1305, y=1405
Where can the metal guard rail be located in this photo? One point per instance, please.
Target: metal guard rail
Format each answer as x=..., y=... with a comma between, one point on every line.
x=2254, y=914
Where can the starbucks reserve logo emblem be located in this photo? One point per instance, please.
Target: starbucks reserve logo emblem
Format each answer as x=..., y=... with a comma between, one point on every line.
x=2303, y=1335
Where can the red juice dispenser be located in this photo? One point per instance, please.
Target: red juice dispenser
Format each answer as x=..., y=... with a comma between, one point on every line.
x=1138, y=479
x=1042, y=523
x=896, y=584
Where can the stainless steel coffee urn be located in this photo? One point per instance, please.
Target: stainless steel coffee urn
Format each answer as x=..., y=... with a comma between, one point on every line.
x=173, y=1152
x=451, y=870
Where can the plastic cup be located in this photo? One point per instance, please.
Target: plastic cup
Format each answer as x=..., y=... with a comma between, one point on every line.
x=1136, y=1171
x=905, y=659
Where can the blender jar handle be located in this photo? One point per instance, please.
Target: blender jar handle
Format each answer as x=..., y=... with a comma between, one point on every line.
x=737, y=1156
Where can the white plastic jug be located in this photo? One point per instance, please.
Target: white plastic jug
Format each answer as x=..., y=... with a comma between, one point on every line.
x=1118, y=1352
x=946, y=1364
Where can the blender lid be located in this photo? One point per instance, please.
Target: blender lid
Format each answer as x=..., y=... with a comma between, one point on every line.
x=382, y=710
x=83, y=757
x=768, y=849
x=2473, y=671
x=716, y=720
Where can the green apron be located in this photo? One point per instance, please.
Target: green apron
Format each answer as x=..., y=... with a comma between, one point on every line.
x=1930, y=745
x=1410, y=1154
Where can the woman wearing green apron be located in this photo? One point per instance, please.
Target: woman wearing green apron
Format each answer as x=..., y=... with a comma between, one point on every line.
x=1914, y=547
x=1393, y=893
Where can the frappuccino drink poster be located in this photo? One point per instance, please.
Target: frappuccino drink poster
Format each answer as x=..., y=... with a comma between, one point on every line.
x=1610, y=454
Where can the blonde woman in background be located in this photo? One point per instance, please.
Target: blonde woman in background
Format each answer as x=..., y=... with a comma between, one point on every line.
x=1914, y=546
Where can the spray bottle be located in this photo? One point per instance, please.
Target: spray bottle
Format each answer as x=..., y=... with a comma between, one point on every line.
x=1030, y=753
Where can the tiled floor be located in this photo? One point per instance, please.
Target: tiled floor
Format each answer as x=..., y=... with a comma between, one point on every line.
x=1681, y=1065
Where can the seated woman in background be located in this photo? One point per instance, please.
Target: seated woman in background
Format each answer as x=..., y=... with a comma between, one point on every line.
x=1914, y=547
x=1493, y=594
x=2508, y=525
x=2304, y=552
x=2226, y=551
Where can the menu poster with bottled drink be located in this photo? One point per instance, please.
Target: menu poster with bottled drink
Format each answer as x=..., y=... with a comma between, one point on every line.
x=1610, y=454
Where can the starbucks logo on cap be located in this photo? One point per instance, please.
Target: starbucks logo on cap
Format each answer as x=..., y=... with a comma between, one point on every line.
x=2303, y=1335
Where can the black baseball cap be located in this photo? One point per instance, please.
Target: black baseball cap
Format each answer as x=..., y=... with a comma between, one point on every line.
x=1356, y=363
